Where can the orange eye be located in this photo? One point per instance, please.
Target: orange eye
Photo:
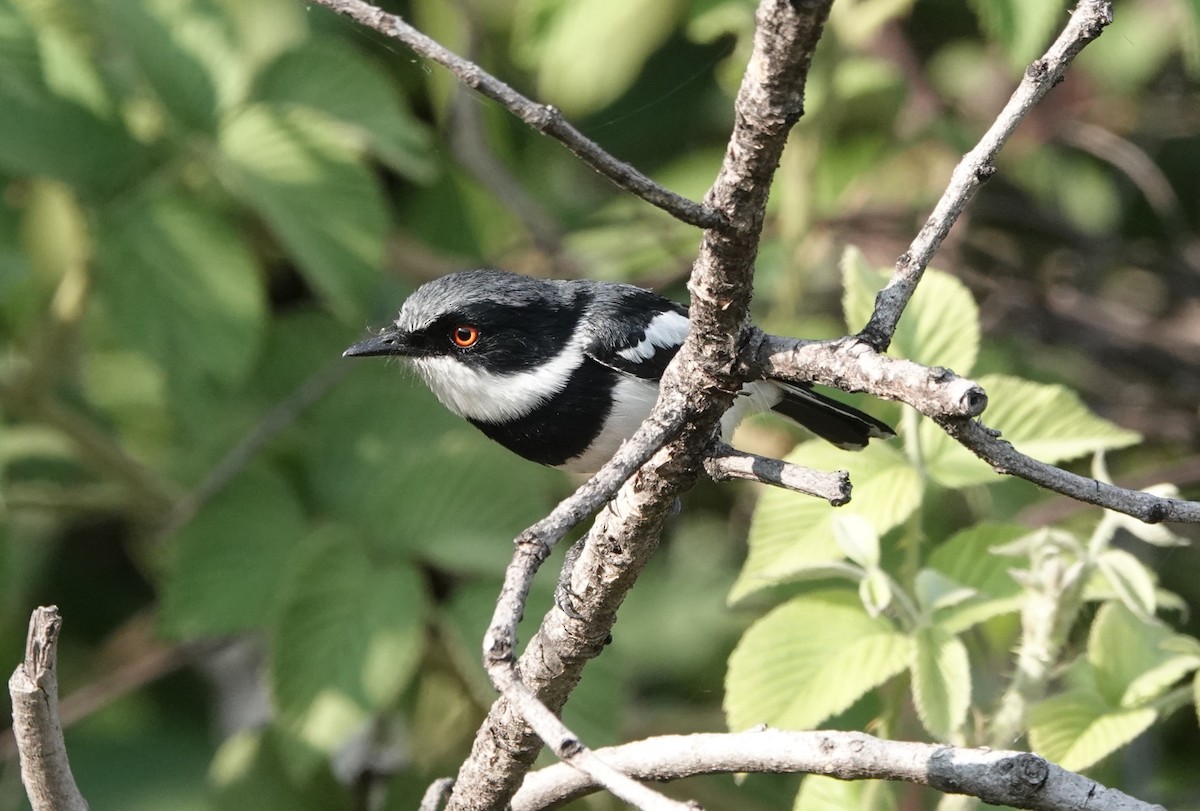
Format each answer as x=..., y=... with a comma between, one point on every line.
x=464, y=335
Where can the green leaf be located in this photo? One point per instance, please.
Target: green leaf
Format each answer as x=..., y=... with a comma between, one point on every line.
x=941, y=681
x=421, y=480
x=228, y=561
x=935, y=591
x=821, y=793
x=969, y=558
x=1136, y=661
x=44, y=134
x=560, y=43
x=1131, y=580
x=940, y=326
x=249, y=771
x=319, y=73
x=808, y=660
x=347, y=640
x=790, y=534
x=1047, y=422
x=297, y=170
x=875, y=592
x=1078, y=728
x=857, y=539
x=184, y=49
x=1023, y=28
x=178, y=284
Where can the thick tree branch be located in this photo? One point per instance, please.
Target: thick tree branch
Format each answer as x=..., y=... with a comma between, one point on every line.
x=1087, y=22
x=36, y=725
x=696, y=390
x=1016, y=779
x=542, y=117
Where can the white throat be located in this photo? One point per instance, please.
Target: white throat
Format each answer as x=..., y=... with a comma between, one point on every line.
x=494, y=397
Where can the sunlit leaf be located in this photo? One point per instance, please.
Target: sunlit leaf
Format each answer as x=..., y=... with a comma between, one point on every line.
x=1135, y=661
x=810, y=659
x=184, y=50
x=940, y=326
x=970, y=559
x=1077, y=728
x=312, y=188
x=789, y=534
x=1131, y=580
x=560, y=43
x=319, y=75
x=941, y=681
x=820, y=793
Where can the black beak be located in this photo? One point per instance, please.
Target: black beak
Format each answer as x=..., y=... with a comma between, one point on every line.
x=389, y=342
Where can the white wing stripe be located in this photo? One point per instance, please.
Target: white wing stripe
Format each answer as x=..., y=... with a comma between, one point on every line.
x=667, y=329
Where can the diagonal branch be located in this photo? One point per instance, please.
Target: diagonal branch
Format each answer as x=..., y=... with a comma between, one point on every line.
x=1087, y=22
x=541, y=117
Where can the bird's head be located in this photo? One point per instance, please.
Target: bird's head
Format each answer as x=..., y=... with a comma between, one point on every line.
x=476, y=338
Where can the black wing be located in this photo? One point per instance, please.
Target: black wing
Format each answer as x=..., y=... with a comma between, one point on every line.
x=635, y=332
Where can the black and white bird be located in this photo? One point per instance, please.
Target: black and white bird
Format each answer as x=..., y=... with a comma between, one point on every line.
x=561, y=372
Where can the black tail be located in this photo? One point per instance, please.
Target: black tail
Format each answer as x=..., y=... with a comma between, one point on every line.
x=834, y=422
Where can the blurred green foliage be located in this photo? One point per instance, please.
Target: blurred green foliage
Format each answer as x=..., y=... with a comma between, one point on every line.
x=202, y=202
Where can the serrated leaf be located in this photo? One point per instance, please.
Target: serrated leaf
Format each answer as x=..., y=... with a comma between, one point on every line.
x=941, y=681
x=1078, y=728
x=179, y=285
x=1136, y=661
x=1048, y=422
x=810, y=659
x=300, y=174
x=940, y=326
x=347, y=640
x=971, y=558
x=228, y=561
x=317, y=75
x=857, y=539
x=790, y=534
x=1131, y=580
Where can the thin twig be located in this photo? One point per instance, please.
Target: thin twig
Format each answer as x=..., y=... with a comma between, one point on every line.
x=725, y=463
x=1087, y=22
x=1004, y=458
x=542, y=117
x=45, y=770
x=1017, y=779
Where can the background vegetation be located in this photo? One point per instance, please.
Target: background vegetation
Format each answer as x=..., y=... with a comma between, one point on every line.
x=275, y=566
